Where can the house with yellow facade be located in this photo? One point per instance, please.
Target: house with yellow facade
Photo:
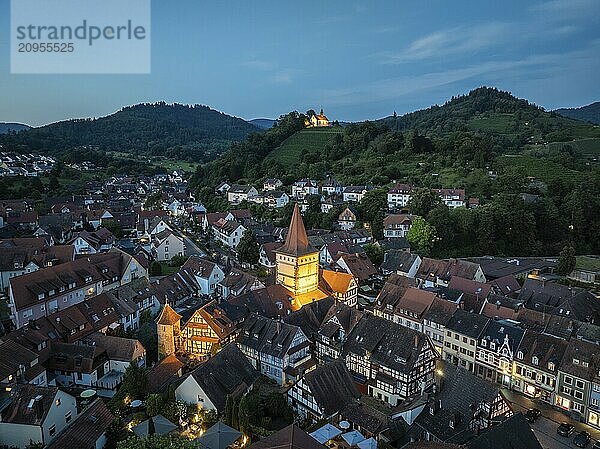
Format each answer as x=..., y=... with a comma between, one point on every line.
x=318, y=120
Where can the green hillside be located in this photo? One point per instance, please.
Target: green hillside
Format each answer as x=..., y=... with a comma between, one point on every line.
x=289, y=153
x=589, y=113
x=192, y=133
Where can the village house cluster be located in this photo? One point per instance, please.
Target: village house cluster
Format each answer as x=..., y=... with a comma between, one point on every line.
x=417, y=349
x=13, y=164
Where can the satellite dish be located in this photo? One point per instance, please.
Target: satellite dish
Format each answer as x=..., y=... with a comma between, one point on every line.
x=344, y=425
x=85, y=394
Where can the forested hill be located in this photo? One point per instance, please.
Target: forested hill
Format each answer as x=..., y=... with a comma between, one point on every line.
x=196, y=133
x=492, y=112
x=589, y=113
x=12, y=127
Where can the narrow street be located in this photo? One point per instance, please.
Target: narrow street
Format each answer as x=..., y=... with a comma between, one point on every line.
x=545, y=426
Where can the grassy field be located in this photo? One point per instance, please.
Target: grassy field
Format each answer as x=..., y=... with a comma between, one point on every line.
x=290, y=151
x=589, y=146
x=540, y=168
x=498, y=123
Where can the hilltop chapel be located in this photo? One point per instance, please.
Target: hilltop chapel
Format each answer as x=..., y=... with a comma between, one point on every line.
x=299, y=281
x=318, y=120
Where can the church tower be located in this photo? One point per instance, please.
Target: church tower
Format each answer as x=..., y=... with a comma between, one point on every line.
x=168, y=328
x=297, y=261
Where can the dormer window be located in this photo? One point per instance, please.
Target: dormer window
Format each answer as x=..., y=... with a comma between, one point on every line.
x=584, y=364
x=492, y=346
x=41, y=296
x=551, y=366
x=483, y=343
x=535, y=360
x=575, y=361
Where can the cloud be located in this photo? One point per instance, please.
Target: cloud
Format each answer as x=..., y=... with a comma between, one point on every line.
x=566, y=6
x=484, y=72
x=452, y=41
x=285, y=76
x=261, y=65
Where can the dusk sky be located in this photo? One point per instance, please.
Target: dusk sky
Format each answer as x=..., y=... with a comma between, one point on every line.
x=356, y=59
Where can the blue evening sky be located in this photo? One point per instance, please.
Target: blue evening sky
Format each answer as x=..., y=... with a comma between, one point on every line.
x=357, y=59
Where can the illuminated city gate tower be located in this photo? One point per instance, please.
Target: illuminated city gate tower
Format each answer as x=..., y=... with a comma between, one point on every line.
x=297, y=261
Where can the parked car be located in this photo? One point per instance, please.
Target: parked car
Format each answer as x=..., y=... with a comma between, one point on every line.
x=532, y=414
x=582, y=439
x=565, y=429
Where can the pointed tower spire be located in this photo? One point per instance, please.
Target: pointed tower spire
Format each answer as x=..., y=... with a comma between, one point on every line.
x=296, y=241
x=321, y=111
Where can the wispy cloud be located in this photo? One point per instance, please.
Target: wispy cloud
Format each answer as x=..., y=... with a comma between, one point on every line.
x=285, y=76
x=258, y=64
x=448, y=42
x=492, y=70
x=569, y=7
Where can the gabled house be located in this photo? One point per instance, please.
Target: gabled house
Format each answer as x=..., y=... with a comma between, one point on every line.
x=399, y=195
x=463, y=406
x=577, y=373
x=228, y=373
x=388, y=361
x=400, y=262
x=397, y=225
x=355, y=193
x=272, y=184
x=463, y=332
x=348, y=218
x=238, y=193
x=208, y=275
x=496, y=351
x=333, y=332
x=358, y=265
x=228, y=232
x=323, y=392
x=536, y=365
x=276, y=349
x=165, y=245
x=36, y=414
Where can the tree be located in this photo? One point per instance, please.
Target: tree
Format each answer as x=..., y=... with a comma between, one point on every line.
x=157, y=442
x=372, y=208
x=155, y=269
x=248, y=249
x=153, y=201
x=114, y=433
x=154, y=404
x=135, y=382
x=421, y=236
x=422, y=201
x=374, y=253
x=53, y=184
x=228, y=415
x=566, y=261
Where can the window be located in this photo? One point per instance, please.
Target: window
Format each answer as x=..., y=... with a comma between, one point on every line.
x=578, y=394
x=579, y=384
x=520, y=355
x=551, y=366
x=568, y=380
x=52, y=430
x=535, y=360
x=68, y=417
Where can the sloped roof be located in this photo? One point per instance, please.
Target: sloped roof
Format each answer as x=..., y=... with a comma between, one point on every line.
x=227, y=373
x=513, y=433
x=332, y=386
x=296, y=240
x=168, y=316
x=86, y=429
x=290, y=437
x=219, y=436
